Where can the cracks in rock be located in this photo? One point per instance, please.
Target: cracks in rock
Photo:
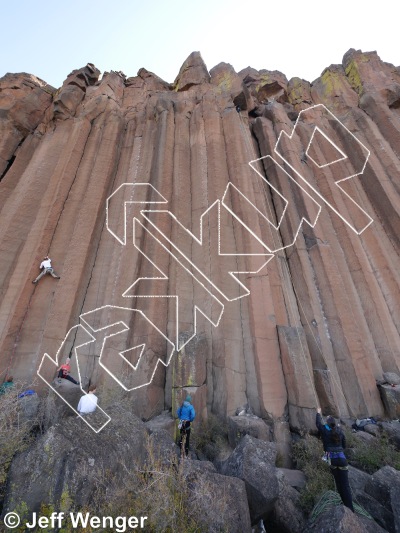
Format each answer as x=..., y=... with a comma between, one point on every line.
x=286, y=277
x=312, y=240
x=103, y=224
x=284, y=375
x=246, y=373
x=12, y=159
x=9, y=165
x=96, y=254
x=273, y=206
x=77, y=85
x=69, y=190
x=60, y=215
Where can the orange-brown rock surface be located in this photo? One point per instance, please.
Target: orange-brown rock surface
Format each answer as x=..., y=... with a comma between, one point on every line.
x=321, y=322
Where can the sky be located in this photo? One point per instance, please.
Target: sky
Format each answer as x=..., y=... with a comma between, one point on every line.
x=50, y=39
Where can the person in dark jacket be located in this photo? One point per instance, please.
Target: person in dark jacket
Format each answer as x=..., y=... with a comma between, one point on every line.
x=186, y=415
x=334, y=443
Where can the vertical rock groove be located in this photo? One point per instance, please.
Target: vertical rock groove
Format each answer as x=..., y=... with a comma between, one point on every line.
x=322, y=320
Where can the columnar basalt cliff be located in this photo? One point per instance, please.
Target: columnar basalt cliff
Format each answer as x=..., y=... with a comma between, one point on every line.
x=321, y=322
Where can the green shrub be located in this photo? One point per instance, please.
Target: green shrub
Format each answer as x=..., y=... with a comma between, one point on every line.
x=371, y=455
x=307, y=453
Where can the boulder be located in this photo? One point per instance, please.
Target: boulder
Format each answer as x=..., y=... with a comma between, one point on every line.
x=379, y=513
x=29, y=406
x=67, y=462
x=364, y=437
x=162, y=421
x=287, y=513
x=372, y=429
x=339, y=519
x=163, y=446
x=293, y=478
x=152, y=81
x=391, y=400
x=218, y=502
x=253, y=461
x=331, y=83
x=384, y=487
x=73, y=91
x=24, y=99
x=393, y=431
x=239, y=426
x=265, y=84
x=358, y=481
x=70, y=392
x=391, y=378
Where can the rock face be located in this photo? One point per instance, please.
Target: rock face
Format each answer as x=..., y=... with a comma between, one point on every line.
x=321, y=321
x=341, y=520
x=391, y=399
x=67, y=462
x=225, y=505
x=253, y=461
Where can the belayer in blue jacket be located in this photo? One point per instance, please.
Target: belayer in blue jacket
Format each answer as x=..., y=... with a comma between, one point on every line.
x=186, y=415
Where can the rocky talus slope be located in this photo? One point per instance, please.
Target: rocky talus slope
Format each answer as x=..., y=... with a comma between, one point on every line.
x=321, y=322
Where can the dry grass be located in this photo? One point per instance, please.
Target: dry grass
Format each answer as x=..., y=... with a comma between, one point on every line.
x=163, y=492
x=16, y=430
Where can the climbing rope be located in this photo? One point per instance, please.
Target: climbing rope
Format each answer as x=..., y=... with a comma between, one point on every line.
x=331, y=499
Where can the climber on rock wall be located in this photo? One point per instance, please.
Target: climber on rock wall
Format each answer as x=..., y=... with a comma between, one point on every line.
x=63, y=372
x=47, y=269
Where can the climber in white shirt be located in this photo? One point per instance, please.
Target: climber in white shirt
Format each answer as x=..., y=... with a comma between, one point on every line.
x=47, y=269
x=88, y=402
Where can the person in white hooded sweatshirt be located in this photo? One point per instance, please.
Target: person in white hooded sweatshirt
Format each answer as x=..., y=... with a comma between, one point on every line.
x=88, y=402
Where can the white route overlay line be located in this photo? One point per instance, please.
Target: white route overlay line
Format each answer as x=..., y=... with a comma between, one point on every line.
x=200, y=242
x=56, y=362
x=137, y=185
x=142, y=346
x=276, y=227
x=165, y=277
x=126, y=328
x=142, y=187
x=344, y=156
x=340, y=151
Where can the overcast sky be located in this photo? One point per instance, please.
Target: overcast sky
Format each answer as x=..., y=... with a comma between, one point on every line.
x=50, y=39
